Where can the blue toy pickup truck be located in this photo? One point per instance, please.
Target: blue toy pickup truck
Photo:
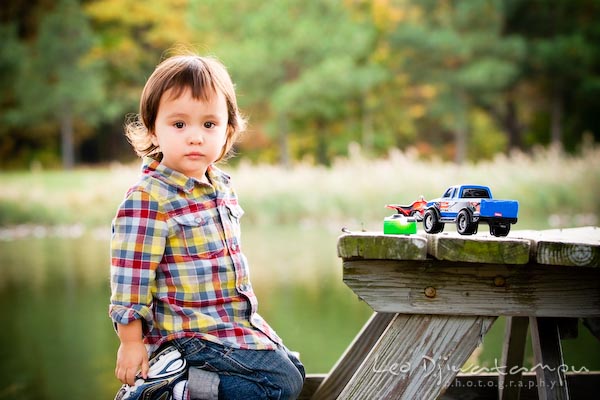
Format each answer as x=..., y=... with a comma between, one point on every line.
x=467, y=206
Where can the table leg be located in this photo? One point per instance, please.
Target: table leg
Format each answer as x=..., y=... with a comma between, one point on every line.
x=515, y=337
x=347, y=365
x=417, y=357
x=549, y=364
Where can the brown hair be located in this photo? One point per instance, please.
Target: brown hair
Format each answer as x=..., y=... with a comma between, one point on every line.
x=204, y=76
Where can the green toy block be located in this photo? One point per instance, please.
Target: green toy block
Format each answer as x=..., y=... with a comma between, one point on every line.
x=399, y=225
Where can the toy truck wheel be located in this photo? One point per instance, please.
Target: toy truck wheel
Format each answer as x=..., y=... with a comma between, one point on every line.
x=465, y=224
x=431, y=222
x=499, y=230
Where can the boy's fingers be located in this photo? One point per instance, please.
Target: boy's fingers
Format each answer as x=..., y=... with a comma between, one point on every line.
x=130, y=377
x=121, y=375
x=145, y=368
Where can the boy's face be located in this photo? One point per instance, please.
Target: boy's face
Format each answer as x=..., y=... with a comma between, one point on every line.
x=191, y=133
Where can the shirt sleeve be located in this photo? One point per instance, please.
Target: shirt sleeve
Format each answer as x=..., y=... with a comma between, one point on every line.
x=139, y=235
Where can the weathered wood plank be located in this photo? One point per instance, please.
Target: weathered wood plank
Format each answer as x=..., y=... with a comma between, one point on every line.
x=547, y=352
x=354, y=355
x=427, y=287
x=377, y=246
x=578, y=247
x=513, y=350
x=568, y=254
x=311, y=383
x=484, y=249
x=417, y=357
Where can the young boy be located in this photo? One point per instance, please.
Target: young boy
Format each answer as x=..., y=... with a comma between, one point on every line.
x=179, y=280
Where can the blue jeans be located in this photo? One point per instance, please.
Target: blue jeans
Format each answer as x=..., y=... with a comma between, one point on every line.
x=246, y=374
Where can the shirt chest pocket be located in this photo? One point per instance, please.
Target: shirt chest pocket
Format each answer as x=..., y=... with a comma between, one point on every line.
x=232, y=228
x=198, y=235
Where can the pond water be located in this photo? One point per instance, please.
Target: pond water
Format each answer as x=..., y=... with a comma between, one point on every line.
x=57, y=341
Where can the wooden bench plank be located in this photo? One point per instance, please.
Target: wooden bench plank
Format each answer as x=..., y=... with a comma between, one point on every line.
x=354, y=355
x=478, y=249
x=417, y=357
x=427, y=287
x=311, y=383
x=377, y=246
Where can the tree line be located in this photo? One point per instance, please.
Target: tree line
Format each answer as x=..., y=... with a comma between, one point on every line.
x=452, y=78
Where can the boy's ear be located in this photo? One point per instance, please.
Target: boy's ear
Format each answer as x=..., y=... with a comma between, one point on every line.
x=153, y=138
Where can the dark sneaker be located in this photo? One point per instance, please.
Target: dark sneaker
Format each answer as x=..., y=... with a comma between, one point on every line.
x=167, y=369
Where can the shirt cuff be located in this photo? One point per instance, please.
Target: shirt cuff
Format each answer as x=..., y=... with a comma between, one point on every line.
x=124, y=315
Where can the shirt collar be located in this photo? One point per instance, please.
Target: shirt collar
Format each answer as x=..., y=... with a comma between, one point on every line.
x=155, y=168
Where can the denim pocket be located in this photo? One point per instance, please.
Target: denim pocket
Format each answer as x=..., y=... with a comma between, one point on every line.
x=212, y=356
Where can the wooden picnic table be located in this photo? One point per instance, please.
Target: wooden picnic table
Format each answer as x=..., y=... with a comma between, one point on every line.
x=436, y=296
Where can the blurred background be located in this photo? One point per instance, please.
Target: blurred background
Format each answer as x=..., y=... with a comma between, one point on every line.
x=353, y=104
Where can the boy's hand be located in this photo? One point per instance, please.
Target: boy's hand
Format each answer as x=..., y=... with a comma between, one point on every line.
x=131, y=358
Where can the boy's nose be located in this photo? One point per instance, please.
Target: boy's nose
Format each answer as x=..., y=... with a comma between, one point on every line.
x=195, y=137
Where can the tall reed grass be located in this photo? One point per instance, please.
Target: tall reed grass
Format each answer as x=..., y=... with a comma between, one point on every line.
x=553, y=189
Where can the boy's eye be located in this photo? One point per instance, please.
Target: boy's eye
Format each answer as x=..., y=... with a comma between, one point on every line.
x=209, y=125
x=179, y=125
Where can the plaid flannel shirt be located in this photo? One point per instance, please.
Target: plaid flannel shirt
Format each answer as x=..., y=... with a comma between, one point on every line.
x=177, y=262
